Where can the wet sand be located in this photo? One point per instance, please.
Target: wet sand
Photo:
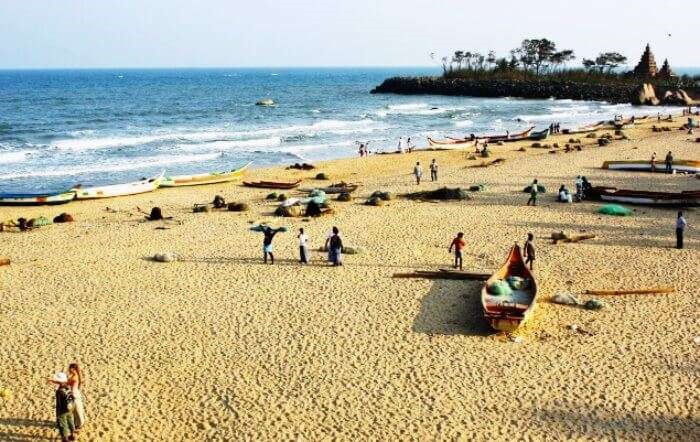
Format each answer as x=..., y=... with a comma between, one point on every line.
x=217, y=346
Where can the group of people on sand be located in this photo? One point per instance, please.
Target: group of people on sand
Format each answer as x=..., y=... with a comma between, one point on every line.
x=668, y=162
x=334, y=246
x=418, y=171
x=69, y=401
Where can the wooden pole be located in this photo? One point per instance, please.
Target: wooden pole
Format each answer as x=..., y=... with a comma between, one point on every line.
x=661, y=290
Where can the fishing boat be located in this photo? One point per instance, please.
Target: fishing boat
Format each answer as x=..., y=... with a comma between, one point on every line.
x=203, y=178
x=668, y=199
x=509, y=311
x=462, y=142
x=272, y=184
x=686, y=166
x=36, y=199
x=336, y=188
x=537, y=136
x=142, y=186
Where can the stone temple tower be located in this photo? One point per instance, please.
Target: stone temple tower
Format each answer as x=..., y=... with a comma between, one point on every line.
x=665, y=71
x=647, y=65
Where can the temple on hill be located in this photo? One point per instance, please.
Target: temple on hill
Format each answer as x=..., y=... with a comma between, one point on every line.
x=665, y=71
x=647, y=65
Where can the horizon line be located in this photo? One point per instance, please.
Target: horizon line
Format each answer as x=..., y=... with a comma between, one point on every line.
x=224, y=67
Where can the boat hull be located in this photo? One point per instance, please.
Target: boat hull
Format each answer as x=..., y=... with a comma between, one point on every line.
x=638, y=197
x=686, y=166
x=115, y=190
x=508, y=314
x=271, y=184
x=36, y=199
x=204, y=178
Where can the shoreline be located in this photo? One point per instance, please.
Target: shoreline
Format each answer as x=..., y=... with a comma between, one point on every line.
x=311, y=352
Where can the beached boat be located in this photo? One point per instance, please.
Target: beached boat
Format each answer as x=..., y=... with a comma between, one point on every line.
x=669, y=199
x=463, y=142
x=537, y=136
x=136, y=187
x=36, y=199
x=204, y=178
x=506, y=312
x=585, y=129
x=272, y=184
x=687, y=166
x=335, y=189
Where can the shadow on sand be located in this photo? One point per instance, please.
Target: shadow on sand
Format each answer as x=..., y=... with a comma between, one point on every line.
x=452, y=308
x=28, y=424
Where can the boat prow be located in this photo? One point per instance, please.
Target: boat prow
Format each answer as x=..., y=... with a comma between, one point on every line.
x=36, y=199
x=507, y=312
x=113, y=190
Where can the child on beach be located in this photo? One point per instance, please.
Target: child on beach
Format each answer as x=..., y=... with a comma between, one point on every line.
x=418, y=172
x=534, y=190
x=529, y=249
x=653, y=162
x=303, y=247
x=65, y=406
x=433, y=170
x=458, y=243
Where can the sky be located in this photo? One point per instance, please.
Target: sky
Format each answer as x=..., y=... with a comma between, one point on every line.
x=266, y=33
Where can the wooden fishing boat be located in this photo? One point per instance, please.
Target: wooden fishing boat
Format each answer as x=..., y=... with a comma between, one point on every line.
x=507, y=312
x=585, y=129
x=668, y=199
x=36, y=199
x=136, y=187
x=460, y=142
x=537, y=136
x=687, y=166
x=335, y=189
x=203, y=178
x=450, y=143
x=272, y=184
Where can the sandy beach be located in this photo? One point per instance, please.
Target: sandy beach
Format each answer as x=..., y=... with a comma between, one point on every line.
x=218, y=346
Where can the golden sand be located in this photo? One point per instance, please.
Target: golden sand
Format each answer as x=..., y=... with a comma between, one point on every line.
x=217, y=346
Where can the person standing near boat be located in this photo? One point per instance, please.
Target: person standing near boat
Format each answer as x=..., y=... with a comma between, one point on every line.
x=534, y=190
x=303, y=247
x=529, y=249
x=681, y=225
x=653, y=162
x=458, y=244
x=669, y=162
x=433, y=170
x=418, y=172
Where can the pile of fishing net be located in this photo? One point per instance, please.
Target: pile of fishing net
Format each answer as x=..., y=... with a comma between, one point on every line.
x=614, y=210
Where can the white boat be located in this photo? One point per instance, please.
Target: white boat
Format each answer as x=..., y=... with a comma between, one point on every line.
x=203, y=178
x=686, y=166
x=142, y=186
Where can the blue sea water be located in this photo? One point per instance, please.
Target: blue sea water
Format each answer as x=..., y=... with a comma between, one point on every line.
x=63, y=127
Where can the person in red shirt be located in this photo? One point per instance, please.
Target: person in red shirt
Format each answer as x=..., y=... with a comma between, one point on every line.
x=458, y=243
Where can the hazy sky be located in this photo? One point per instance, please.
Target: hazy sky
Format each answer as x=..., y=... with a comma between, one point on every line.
x=165, y=33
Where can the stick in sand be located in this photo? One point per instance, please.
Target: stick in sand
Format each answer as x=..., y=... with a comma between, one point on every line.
x=661, y=290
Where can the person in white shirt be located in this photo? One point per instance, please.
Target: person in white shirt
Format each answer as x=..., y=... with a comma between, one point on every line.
x=418, y=172
x=402, y=146
x=303, y=247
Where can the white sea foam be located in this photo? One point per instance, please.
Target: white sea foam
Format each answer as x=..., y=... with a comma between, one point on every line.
x=463, y=123
x=118, y=166
x=319, y=127
x=17, y=156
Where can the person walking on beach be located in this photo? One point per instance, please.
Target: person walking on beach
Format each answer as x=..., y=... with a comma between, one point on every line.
x=75, y=382
x=529, y=249
x=269, y=233
x=534, y=190
x=681, y=225
x=669, y=162
x=418, y=172
x=303, y=247
x=433, y=170
x=401, y=147
x=334, y=245
x=653, y=162
x=458, y=244
x=409, y=146
x=65, y=406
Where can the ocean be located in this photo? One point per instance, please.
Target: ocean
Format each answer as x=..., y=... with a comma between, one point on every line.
x=59, y=128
